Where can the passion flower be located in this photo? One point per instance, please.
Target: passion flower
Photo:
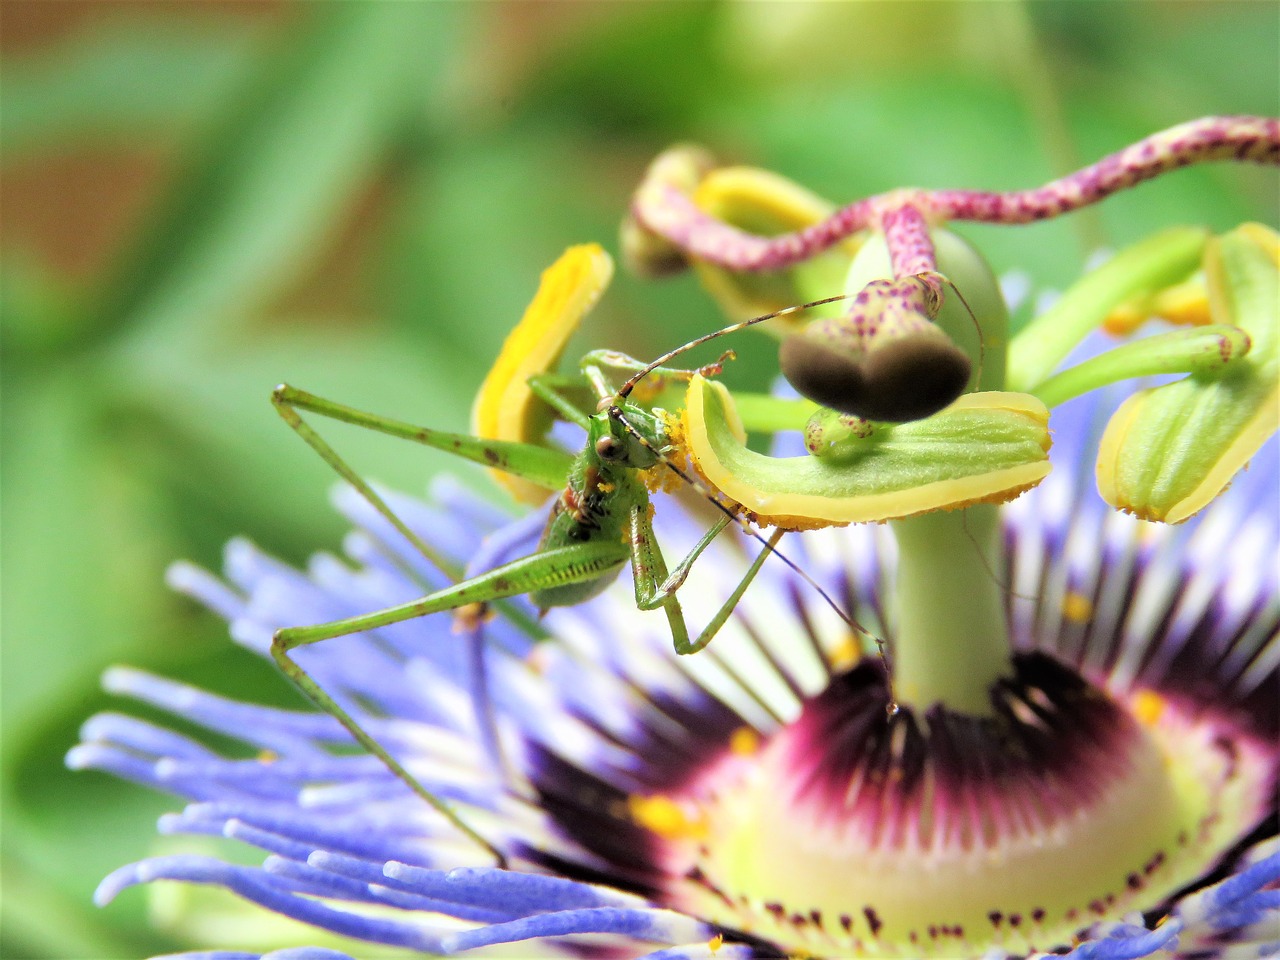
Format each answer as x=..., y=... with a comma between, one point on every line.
x=758, y=799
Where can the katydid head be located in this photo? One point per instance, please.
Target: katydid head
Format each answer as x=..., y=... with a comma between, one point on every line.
x=627, y=436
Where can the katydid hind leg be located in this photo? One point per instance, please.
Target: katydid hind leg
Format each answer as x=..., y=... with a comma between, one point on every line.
x=480, y=692
x=287, y=401
x=564, y=565
x=539, y=465
x=548, y=568
x=281, y=645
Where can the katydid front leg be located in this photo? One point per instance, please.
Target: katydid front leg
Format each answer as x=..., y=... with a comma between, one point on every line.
x=549, y=568
x=654, y=587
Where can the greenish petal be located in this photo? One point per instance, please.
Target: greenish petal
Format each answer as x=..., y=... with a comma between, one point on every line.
x=1168, y=451
x=986, y=447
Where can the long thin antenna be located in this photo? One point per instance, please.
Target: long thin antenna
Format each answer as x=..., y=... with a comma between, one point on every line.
x=616, y=413
x=982, y=342
x=626, y=388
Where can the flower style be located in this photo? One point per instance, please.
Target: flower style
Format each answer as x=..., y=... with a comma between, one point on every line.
x=1073, y=750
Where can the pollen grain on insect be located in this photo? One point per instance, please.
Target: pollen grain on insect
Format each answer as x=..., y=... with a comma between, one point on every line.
x=469, y=618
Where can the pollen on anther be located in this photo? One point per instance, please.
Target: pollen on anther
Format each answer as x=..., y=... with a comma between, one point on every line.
x=1077, y=608
x=665, y=817
x=744, y=742
x=1148, y=707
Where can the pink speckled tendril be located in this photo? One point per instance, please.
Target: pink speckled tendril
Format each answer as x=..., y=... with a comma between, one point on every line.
x=666, y=209
x=906, y=231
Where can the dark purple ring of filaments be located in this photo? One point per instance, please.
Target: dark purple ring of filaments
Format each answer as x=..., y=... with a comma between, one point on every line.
x=1051, y=728
x=665, y=209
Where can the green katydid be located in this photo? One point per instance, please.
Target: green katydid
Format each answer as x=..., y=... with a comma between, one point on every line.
x=598, y=523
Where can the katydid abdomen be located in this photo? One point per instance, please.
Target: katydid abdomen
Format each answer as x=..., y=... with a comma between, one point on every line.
x=591, y=511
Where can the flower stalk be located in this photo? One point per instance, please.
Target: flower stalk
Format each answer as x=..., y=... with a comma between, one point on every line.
x=951, y=643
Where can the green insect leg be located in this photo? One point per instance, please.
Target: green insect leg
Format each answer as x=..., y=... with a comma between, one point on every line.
x=654, y=587
x=549, y=568
x=536, y=464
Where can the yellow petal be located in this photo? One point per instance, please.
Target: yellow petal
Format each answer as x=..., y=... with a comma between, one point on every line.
x=767, y=204
x=505, y=408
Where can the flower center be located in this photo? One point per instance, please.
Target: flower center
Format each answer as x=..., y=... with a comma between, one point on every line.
x=945, y=834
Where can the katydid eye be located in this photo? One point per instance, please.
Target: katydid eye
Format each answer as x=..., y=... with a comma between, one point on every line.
x=608, y=448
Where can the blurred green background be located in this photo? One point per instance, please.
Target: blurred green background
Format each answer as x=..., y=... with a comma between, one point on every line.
x=203, y=199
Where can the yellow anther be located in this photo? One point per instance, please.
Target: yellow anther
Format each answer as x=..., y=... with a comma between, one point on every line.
x=267, y=756
x=744, y=741
x=763, y=203
x=1187, y=303
x=505, y=408
x=846, y=653
x=1148, y=707
x=1077, y=608
x=666, y=818
x=1126, y=318
x=715, y=943
x=902, y=479
x=1184, y=303
x=1168, y=451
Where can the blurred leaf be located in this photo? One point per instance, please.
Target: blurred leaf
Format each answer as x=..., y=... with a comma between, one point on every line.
x=257, y=204
x=476, y=226
x=37, y=306
x=80, y=550
x=40, y=920
x=123, y=81
x=200, y=419
x=632, y=93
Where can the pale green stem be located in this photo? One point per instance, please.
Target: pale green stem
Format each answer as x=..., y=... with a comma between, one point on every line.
x=1206, y=349
x=952, y=639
